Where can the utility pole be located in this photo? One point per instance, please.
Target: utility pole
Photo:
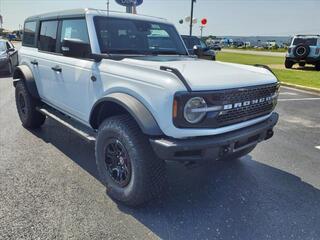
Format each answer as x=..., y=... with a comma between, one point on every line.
x=201, y=30
x=108, y=6
x=191, y=21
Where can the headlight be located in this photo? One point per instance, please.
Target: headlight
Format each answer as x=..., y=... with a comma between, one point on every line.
x=194, y=110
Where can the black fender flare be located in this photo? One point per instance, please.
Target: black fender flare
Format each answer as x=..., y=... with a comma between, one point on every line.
x=24, y=73
x=134, y=107
x=266, y=67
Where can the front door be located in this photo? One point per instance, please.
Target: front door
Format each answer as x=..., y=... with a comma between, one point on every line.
x=72, y=76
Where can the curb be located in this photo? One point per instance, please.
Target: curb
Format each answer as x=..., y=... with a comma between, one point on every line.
x=308, y=89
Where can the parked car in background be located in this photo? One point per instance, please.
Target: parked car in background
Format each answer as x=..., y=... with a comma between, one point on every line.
x=304, y=49
x=8, y=56
x=215, y=47
x=194, y=43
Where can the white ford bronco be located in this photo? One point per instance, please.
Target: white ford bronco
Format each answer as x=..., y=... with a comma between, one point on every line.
x=304, y=49
x=128, y=83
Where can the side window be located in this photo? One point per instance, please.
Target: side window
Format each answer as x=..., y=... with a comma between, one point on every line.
x=74, y=29
x=29, y=34
x=48, y=36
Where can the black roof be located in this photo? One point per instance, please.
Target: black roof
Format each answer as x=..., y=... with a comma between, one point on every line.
x=73, y=13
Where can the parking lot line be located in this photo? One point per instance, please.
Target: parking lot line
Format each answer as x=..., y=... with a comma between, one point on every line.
x=289, y=93
x=297, y=99
x=300, y=90
x=317, y=147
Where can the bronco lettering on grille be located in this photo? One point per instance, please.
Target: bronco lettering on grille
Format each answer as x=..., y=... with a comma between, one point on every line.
x=246, y=103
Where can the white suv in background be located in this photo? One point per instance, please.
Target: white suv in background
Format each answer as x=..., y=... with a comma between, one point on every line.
x=128, y=83
x=304, y=49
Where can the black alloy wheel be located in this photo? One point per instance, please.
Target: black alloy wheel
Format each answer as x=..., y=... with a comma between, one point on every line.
x=118, y=162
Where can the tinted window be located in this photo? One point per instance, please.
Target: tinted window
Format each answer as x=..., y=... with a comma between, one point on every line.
x=29, y=34
x=191, y=41
x=129, y=36
x=306, y=41
x=74, y=29
x=48, y=36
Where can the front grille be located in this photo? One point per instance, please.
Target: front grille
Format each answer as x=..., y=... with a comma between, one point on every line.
x=243, y=94
x=244, y=113
x=236, y=113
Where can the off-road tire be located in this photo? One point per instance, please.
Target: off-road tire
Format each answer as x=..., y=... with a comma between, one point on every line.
x=288, y=64
x=26, y=107
x=302, y=64
x=148, y=174
x=317, y=66
x=305, y=54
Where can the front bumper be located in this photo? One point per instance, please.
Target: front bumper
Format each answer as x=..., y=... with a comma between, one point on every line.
x=214, y=147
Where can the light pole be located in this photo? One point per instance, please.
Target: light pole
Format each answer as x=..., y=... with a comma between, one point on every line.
x=201, y=30
x=191, y=21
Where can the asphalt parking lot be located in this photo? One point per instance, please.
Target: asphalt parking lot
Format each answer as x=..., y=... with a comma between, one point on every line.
x=49, y=187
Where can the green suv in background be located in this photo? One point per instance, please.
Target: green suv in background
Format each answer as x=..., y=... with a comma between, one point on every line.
x=304, y=49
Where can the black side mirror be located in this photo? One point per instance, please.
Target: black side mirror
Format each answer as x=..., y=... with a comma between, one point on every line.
x=197, y=50
x=10, y=50
x=75, y=48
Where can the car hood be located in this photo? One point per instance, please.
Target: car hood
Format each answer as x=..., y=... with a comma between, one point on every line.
x=209, y=75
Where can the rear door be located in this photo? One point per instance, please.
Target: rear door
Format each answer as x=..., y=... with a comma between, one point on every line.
x=46, y=60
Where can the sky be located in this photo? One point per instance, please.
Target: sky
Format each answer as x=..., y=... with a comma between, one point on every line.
x=225, y=17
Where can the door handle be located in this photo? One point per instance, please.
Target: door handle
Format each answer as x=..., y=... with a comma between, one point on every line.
x=57, y=69
x=34, y=62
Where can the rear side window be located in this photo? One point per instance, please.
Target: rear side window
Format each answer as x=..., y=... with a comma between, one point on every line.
x=74, y=29
x=48, y=36
x=306, y=41
x=29, y=34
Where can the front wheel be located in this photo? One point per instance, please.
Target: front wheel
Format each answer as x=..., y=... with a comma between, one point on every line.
x=26, y=106
x=126, y=162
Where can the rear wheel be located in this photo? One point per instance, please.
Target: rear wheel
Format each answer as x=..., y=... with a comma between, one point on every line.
x=26, y=106
x=288, y=64
x=317, y=66
x=302, y=64
x=126, y=162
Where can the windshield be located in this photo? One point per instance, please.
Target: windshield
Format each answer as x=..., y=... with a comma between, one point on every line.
x=127, y=36
x=3, y=46
x=306, y=41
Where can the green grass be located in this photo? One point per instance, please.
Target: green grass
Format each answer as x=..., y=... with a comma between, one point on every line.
x=303, y=78
x=248, y=59
x=308, y=78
